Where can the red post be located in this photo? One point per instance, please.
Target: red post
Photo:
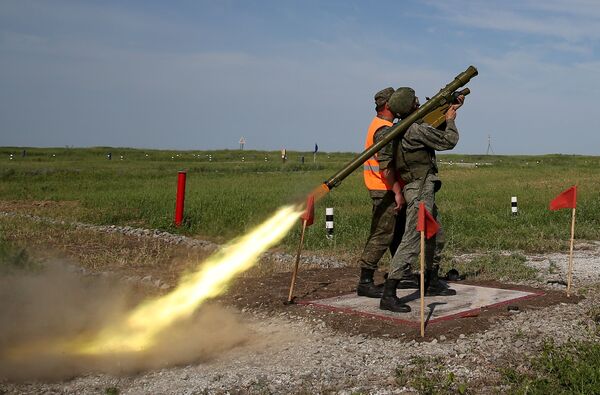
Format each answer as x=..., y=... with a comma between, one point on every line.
x=180, y=198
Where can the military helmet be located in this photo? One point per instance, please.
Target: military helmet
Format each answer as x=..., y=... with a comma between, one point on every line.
x=402, y=102
x=383, y=96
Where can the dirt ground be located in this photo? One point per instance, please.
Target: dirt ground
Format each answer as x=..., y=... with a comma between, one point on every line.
x=302, y=349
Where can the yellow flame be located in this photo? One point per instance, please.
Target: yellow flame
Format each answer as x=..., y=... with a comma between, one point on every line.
x=139, y=330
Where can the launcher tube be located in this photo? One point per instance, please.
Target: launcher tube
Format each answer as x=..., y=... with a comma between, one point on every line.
x=442, y=97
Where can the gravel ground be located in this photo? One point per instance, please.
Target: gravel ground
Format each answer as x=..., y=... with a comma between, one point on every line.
x=552, y=268
x=586, y=265
x=289, y=355
x=292, y=354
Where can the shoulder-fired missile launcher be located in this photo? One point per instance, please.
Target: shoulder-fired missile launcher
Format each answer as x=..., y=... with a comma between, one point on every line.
x=437, y=117
x=431, y=112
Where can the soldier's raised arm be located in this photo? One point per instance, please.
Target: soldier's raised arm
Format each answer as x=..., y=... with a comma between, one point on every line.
x=425, y=135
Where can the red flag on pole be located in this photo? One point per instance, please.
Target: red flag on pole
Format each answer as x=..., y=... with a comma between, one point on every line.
x=567, y=199
x=309, y=213
x=426, y=222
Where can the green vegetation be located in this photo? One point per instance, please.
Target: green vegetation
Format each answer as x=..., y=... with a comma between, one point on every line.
x=226, y=197
x=429, y=376
x=570, y=369
x=111, y=391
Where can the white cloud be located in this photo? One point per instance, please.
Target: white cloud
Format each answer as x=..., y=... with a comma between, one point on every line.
x=569, y=21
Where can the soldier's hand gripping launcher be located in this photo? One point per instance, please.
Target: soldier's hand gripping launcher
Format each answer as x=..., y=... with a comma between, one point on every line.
x=437, y=118
x=432, y=112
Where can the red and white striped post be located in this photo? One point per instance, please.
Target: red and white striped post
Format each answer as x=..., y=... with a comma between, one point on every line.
x=180, y=198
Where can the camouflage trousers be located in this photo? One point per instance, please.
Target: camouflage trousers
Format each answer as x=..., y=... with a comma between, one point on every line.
x=387, y=227
x=410, y=247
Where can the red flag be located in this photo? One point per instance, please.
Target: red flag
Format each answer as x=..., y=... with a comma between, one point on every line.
x=426, y=222
x=567, y=199
x=309, y=213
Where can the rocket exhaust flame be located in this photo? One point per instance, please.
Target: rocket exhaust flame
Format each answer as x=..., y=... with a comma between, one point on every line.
x=140, y=328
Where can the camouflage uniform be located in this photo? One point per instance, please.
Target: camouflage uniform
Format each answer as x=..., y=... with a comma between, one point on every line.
x=387, y=225
x=414, y=158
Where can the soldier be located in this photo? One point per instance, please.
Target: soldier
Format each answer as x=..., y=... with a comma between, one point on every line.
x=387, y=222
x=414, y=158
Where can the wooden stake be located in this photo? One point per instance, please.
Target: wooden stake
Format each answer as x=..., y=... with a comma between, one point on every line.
x=422, y=284
x=295, y=272
x=570, y=270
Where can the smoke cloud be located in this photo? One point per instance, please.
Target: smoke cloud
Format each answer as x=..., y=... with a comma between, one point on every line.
x=40, y=309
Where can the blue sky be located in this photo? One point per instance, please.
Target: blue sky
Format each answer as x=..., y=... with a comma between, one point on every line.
x=201, y=74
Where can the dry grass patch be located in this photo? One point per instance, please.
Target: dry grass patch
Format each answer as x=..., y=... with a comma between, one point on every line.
x=94, y=250
x=66, y=209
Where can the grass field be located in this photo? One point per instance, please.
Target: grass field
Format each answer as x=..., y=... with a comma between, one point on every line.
x=227, y=195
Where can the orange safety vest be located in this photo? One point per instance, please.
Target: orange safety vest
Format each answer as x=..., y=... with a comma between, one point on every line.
x=373, y=179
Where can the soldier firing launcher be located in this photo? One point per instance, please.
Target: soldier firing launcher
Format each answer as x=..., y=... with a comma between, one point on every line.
x=432, y=112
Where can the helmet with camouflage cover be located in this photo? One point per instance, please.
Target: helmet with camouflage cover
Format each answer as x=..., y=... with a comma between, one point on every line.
x=383, y=96
x=402, y=102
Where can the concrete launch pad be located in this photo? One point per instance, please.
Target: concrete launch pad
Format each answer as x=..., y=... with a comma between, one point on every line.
x=468, y=302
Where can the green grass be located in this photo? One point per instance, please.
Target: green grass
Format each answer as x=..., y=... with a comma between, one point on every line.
x=226, y=197
x=573, y=368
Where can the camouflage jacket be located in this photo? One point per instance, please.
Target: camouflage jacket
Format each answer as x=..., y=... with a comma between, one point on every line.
x=416, y=137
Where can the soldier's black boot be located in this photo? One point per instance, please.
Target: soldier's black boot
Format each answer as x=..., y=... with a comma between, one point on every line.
x=434, y=286
x=389, y=300
x=408, y=281
x=366, y=285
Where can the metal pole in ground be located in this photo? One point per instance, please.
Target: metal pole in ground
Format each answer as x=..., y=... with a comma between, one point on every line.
x=180, y=198
x=513, y=206
x=329, y=222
